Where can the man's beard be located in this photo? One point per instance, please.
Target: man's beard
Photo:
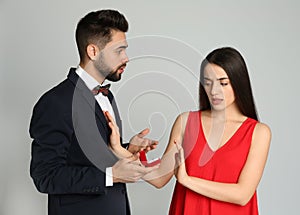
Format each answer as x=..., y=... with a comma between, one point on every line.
x=106, y=71
x=114, y=76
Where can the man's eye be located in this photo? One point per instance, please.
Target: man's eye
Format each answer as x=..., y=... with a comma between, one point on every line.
x=119, y=51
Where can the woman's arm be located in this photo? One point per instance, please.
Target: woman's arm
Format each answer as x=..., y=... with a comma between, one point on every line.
x=242, y=191
x=164, y=173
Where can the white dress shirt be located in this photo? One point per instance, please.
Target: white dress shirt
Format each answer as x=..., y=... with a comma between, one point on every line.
x=91, y=83
x=105, y=105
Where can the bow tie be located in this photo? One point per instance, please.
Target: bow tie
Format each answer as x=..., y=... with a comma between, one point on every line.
x=101, y=89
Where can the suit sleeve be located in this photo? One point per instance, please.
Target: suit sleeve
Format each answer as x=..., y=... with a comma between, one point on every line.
x=52, y=131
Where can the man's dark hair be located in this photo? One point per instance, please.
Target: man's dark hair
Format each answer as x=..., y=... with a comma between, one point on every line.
x=96, y=28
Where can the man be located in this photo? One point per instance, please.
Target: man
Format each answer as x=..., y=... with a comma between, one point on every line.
x=71, y=160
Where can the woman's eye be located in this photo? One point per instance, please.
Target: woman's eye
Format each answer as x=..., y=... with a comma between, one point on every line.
x=224, y=84
x=207, y=83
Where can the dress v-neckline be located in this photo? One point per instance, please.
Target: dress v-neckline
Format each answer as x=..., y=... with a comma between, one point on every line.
x=227, y=142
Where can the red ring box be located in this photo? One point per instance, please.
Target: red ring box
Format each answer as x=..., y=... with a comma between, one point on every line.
x=145, y=162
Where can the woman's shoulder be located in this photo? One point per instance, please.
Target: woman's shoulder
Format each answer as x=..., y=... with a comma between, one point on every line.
x=185, y=115
x=193, y=113
x=182, y=118
x=262, y=134
x=190, y=117
x=262, y=129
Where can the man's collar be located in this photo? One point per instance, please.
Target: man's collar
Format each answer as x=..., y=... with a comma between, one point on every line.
x=90, y=82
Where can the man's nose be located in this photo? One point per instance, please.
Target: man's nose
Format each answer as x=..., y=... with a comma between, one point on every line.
x=125, y=58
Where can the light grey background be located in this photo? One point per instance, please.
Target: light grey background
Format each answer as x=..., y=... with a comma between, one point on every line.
x=37, y=48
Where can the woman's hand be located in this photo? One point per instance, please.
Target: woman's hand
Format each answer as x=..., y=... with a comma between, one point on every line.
x=115, y=133
x=180, y=170
x=115, y=142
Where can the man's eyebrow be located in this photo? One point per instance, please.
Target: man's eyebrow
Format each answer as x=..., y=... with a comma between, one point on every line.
x=122, y=47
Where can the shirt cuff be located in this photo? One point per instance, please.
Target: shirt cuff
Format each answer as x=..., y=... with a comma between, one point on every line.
x=109, y=177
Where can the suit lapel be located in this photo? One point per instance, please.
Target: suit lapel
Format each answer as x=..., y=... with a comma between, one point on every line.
x=88, y=96
x=116, y=111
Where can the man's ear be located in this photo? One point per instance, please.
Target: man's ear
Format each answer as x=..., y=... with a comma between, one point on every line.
x=92, y=51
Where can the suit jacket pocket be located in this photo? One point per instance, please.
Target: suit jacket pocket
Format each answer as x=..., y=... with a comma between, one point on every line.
x=73, y=199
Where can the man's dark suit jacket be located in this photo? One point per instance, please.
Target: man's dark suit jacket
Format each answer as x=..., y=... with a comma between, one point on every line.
x=70, y=153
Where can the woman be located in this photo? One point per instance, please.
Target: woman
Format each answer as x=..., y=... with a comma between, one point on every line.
x=221, y=150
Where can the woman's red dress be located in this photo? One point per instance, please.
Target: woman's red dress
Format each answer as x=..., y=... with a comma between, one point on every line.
x=223, y=165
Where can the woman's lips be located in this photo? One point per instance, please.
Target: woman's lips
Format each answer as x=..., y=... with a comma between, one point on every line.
x=216, y=101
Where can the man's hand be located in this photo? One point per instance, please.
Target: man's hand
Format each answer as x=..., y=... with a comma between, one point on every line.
x=129, y=170
x=138, y=142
